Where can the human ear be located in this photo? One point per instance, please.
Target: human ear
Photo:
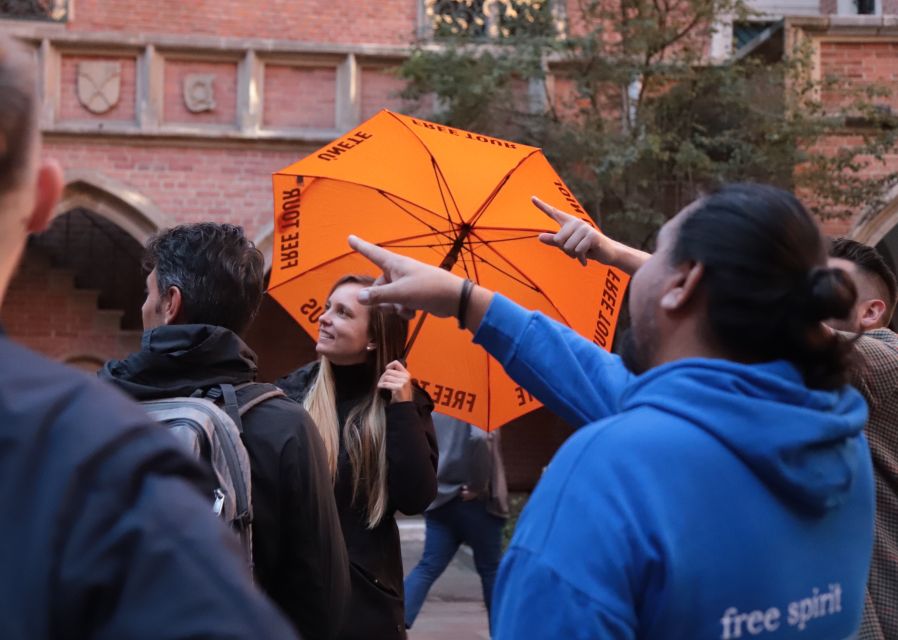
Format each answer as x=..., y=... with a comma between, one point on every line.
x=682, y=286
x=48, y=190
x=172, y=305
x=871, y=314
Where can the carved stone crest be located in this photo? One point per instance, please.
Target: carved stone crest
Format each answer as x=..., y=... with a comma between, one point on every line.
x=199, y=93
x=99, y=85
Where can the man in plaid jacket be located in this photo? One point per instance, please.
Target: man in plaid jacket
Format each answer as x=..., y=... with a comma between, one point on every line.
x=877, y=378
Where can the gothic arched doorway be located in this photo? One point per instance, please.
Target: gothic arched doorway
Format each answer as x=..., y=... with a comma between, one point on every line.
x=79, y=290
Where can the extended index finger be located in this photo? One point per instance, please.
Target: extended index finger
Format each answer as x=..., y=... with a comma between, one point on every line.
x=557, y=215
x=375, y=254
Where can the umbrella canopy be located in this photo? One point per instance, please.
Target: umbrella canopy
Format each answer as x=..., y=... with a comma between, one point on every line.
x=446, y=197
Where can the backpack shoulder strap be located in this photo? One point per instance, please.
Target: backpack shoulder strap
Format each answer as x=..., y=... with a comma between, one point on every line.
x=237, y=400
x=225, y=396
x=253, y=394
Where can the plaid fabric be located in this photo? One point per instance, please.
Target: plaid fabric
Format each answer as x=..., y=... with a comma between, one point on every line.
x=877, y=379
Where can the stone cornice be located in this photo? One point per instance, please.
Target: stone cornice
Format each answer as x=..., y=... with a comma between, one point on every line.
x=151, y=51
x=862, y=27
x=216, y=46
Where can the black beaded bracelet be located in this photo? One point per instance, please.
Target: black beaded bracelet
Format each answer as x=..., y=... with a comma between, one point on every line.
x=466, y=288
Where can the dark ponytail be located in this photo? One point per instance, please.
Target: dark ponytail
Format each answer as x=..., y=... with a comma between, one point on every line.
x=766, y=282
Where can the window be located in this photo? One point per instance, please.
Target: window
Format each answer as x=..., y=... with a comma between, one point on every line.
x=859, y=7
x=489, y=18
x=47, y=10
x=745, y=32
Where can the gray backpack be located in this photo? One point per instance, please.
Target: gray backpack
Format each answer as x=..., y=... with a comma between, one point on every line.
x=210, y=427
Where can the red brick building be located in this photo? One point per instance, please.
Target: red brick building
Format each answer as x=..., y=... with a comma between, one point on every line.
x=168, y=112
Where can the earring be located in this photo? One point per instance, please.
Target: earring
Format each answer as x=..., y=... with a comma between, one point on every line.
x=370, y=347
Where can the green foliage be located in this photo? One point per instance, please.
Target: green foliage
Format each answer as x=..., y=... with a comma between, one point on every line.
x=648, y=123
x=516, y=504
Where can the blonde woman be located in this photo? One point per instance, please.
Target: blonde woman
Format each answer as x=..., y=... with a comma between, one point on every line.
x=380, y=443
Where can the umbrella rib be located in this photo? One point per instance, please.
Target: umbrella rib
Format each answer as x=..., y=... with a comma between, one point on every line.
x=433, y=161
x=468, y=240
x=344, y=255
x=507, y=274
x=390, y=243
x=473, y=261
x=390, y=197
x=482, y=208
x=441, y=179
x=436, y=168
x=532, y=284
x=529, y=230
x=464, y=262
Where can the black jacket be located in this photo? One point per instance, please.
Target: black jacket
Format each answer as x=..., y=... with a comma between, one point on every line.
x=299, y=557
x=106, y=529
x=375, y=556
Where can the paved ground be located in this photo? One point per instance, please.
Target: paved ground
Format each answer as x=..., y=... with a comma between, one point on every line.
x=454, y=608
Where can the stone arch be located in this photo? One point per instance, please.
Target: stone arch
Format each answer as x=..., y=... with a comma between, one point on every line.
x=119, y=203
x=873, y=226
x=264, y=242
x=89, y=362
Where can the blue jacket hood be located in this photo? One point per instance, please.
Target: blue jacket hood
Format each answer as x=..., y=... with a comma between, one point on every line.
x=804, y=444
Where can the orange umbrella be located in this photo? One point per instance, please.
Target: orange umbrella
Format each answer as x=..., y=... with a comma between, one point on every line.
x=446, y=197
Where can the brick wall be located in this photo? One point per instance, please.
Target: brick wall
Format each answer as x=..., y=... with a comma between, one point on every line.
x=187, y=183
x=300, y=96
x=334, y=21
x=380, y=90
x=860, y=65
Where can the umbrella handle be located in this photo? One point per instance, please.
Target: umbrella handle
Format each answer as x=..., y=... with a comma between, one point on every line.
x=411, y=341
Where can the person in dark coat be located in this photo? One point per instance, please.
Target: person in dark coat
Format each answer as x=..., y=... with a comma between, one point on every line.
x=204, y=287
x=380, y=443
x=107, y=531
x=875, y=375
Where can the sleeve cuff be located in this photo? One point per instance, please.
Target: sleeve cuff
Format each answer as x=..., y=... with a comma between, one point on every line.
x=502, y=327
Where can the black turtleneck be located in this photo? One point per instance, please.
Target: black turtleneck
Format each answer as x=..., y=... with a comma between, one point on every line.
x=353, y=383
x=375, y=555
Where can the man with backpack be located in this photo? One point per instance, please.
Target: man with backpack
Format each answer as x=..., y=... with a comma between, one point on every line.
x=106, y=533
x=204, y=287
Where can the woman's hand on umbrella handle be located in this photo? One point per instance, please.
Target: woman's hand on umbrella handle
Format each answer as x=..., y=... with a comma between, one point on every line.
x=407, y=284
x=580, y=240
x=397, y=380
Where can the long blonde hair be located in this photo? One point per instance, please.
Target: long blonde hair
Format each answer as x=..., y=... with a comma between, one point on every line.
x=365, y=430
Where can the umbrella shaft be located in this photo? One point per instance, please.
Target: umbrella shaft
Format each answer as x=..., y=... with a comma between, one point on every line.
x=447, y=264
x=452, y=257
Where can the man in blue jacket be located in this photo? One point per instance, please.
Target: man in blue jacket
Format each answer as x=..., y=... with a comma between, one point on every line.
x=105, y=533
x=719, y=485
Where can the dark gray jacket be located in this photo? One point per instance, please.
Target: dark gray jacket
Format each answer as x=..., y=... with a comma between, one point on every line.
x=469, y=457
x=107, y=531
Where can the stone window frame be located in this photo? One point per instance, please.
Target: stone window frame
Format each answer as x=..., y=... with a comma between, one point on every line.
x=558, y=9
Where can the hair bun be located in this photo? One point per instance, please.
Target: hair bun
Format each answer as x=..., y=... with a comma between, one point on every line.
x=830, y=293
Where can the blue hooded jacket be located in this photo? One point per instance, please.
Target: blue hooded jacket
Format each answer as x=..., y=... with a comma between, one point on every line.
x=703, y=499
